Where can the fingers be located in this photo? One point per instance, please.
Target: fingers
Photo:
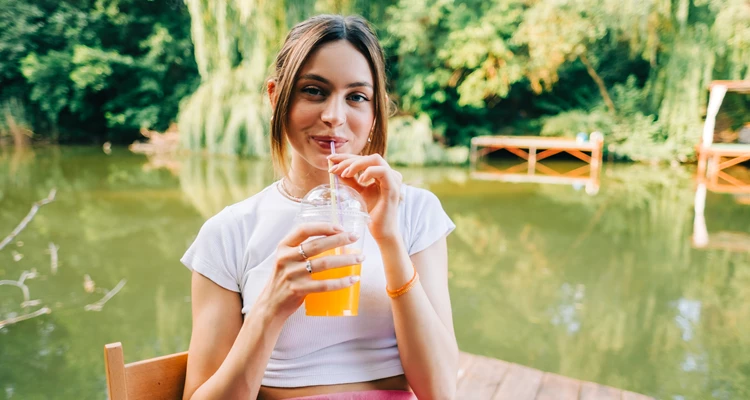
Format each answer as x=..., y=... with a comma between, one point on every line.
x=384, y=175
x=304, y=231
x=335, y=261
x=328, y=285
x=320, y=245
x=349, y=166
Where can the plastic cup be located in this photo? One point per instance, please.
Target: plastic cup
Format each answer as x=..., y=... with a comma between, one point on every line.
x=348, y=210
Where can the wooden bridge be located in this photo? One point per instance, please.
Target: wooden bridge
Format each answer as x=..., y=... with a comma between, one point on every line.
x=714, y=158
x=531, y=170
x=482, y=378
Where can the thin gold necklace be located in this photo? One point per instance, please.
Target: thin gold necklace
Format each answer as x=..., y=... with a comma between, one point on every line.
x=283, y=190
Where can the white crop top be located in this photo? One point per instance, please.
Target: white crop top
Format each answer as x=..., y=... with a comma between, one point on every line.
x=236, y=249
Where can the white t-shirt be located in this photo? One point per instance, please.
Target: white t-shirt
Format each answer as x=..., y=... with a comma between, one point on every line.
x=236, y=249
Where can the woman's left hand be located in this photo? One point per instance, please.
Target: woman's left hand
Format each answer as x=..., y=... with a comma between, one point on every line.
x=379, y=185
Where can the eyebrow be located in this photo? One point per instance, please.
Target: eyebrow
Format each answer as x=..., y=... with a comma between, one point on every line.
x=319, y=78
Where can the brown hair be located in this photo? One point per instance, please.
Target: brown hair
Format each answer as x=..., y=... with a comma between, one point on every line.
x=303, y=40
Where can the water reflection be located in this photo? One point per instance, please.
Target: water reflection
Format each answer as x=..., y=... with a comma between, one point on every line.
x=605, y=288
x=561, y=173
x=727, y=240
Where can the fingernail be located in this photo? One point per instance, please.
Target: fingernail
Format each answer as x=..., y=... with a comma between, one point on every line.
x=360, y=258
x=354, y=236
x=354, y=278
x=338, y=228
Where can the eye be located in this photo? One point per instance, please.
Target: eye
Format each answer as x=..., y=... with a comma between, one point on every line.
x=312, y=91
x=358, y=98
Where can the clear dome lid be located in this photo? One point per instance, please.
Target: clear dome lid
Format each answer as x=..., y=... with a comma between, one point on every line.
x=321, y=200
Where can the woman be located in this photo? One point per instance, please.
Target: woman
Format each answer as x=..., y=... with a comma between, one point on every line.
x=250, y=336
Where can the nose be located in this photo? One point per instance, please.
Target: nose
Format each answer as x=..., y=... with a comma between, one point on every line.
x=334, y=113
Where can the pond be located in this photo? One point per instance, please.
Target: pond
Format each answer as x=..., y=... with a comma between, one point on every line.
x=604, y=286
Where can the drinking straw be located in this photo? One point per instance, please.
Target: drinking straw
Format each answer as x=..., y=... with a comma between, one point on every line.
x=334, y=183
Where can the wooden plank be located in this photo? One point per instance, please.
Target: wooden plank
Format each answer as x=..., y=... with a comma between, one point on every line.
x=157, y=378
x=482, y=378
x=114, y=363
x=520, y=383
x=732, y=180
x=547, y=153
x=557, y=387
x=733, y=85
x=579, y=155
x=734, y=161
x=593, y=391
x=518, y=152
x=534, y=141
x=634, y=396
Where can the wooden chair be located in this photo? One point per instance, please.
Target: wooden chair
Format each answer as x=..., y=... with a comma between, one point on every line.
x=161, y=378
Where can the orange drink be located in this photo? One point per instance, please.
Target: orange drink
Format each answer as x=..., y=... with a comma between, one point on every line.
x=338, y=303
x=344, y=206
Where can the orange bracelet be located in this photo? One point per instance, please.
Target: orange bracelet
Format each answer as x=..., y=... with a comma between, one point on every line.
x=403, y=289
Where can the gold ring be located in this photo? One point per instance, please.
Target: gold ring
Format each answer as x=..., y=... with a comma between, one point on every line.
x=301, y=252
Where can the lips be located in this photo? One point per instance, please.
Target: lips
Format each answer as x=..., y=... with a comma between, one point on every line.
x=325, y=141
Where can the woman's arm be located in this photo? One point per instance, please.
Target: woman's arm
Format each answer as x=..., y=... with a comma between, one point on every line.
x=227, y=355
x=423, y=318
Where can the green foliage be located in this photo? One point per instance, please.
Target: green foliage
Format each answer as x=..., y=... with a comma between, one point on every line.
x=454, y=62
x=98, y=69
x=410, y=142
x=14, y=119
x=233, y=48
x=629, y=133
x=101, y=69
x=489, y=67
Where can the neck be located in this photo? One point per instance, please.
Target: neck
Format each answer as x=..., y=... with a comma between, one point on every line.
x=302, y=177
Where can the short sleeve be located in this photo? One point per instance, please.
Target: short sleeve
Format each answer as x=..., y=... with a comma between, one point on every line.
x=427, y=220
x=216, y=252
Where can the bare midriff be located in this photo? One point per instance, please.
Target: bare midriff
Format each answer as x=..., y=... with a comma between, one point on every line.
x=276, y=393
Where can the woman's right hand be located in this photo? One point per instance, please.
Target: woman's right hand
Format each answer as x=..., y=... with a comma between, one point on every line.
x=291, y=282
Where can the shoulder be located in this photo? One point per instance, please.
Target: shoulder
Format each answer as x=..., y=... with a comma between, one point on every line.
x=236, y=218
x=416, y=199
x=254, y=203
x=424, y=220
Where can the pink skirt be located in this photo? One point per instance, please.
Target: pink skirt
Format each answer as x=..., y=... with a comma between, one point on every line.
x=366, y=395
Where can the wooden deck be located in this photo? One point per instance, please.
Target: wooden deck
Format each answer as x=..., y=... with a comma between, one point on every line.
x=526, y=147
x=715, y=158
x=482, y=378
x=531, y=169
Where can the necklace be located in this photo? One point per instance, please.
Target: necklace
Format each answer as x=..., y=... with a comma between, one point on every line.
x=285, y=192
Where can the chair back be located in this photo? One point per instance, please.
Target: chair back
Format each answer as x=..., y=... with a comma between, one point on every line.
x=161, y=378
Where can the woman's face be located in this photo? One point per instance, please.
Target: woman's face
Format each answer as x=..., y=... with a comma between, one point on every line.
x=332, y=101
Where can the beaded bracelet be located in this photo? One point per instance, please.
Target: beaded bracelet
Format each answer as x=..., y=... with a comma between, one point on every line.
x=403, y=289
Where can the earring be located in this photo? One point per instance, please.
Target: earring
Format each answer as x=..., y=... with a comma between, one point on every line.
x=369, y=139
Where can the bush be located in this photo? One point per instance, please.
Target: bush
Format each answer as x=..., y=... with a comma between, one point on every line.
x=410, y=142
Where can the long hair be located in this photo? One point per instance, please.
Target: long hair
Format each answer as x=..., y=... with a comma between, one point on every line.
x=303, y=40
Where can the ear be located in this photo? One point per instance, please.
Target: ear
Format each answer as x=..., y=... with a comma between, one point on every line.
x=272, y=95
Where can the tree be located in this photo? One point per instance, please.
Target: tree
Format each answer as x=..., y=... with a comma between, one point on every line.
x=98, y=69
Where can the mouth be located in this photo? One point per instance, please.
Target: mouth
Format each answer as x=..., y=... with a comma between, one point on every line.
x=325, y=141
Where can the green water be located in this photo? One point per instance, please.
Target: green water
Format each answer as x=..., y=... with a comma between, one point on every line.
x=604, y=287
